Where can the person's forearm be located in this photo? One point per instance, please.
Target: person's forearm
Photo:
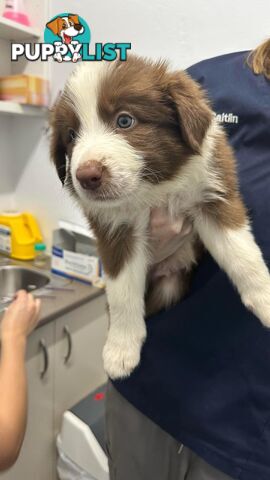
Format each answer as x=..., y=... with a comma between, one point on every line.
x=13, y=399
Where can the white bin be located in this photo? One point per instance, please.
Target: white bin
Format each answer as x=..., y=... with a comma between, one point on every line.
x=81, y=442
x=68, y=470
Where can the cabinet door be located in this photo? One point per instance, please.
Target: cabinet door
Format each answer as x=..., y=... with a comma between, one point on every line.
x=80, y=336
x=36, y=460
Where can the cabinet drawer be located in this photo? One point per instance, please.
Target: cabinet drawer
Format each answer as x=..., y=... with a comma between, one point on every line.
x=80, y=337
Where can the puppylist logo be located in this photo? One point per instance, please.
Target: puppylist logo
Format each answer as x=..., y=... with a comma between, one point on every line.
x=67, y=38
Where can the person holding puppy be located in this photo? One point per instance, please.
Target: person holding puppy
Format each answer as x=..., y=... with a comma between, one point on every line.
x=198, y=406
x=19, y=320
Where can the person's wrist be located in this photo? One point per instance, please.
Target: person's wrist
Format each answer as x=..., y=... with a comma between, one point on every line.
x=13, y=339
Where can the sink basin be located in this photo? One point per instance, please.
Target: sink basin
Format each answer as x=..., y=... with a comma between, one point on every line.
x=13, y=278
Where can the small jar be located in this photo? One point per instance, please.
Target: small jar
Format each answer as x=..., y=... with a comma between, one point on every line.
x=41, y=258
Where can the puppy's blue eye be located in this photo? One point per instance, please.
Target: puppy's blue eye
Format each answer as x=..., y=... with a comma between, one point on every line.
x=125, y=121
x=72, y=135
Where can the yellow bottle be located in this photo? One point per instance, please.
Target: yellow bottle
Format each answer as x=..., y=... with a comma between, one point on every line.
x=19, y=232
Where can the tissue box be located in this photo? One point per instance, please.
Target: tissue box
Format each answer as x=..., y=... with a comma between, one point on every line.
x=25, y=89
x=74, y=254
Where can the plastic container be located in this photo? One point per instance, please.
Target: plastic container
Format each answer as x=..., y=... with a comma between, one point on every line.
x=81, y=443
x=41, y=258
x=19, y=232
x=25, y=89
x=15, y=10
x=68, y=470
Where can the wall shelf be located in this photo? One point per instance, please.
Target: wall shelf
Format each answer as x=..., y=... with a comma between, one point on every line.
x=12, y=108
x=10, y=30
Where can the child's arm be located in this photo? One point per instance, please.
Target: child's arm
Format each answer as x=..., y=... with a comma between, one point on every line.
x=19, y=320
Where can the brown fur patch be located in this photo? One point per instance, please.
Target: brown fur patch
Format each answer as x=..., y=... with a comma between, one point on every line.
x=194, y=113
x=116, y=248
x=157, y=285
x=154, y=298
x=171, y=114
x=62, y=118
x=229, y=212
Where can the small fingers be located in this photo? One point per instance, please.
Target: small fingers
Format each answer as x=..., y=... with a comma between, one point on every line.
x=20, y=299
x=30, y=302
x=34, y=305
x=37, y=307
x=20, y=295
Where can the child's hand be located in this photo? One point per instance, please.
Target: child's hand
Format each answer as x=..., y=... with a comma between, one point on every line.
x=21, y=316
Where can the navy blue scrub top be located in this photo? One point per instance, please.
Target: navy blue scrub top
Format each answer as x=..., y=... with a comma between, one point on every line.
x=205, y=370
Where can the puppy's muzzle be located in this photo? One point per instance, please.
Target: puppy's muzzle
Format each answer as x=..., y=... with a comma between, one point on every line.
x=90, y=175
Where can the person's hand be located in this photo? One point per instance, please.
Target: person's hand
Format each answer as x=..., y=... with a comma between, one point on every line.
x=21, y=316
x=166, y=235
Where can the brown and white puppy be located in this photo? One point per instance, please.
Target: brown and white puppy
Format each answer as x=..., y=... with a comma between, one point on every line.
x=128, y=136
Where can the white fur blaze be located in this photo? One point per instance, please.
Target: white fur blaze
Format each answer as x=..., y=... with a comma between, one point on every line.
x=97, y=141
x=127, y=330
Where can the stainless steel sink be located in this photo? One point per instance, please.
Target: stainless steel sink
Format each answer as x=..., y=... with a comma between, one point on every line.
x=14, y=278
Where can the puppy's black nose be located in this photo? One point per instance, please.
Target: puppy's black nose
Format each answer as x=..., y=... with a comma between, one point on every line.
x=90, y=175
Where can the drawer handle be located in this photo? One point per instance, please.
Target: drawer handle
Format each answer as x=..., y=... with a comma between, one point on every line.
x=43, y=347
x=69, y=340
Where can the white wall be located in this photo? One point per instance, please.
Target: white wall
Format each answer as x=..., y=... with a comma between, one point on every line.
x=38, y=189
x=6, y=180
x=183, y=31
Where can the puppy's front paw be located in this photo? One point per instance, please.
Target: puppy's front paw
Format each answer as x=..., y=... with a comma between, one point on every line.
x=121, y=356
x=259, y=304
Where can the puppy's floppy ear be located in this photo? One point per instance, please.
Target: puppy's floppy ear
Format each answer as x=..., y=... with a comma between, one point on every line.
x=53, y=25
x=57, y=148
x=75, y=18
x=193, y=111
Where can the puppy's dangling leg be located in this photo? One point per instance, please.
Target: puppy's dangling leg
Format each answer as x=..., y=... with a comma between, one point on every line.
x=125, y=293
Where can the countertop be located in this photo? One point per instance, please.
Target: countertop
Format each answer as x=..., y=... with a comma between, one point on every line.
x=68, y=295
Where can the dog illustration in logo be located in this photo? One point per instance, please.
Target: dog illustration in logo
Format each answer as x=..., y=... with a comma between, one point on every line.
x=66, y=27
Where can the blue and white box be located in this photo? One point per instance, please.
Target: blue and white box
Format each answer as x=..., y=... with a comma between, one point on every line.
x=74, y=253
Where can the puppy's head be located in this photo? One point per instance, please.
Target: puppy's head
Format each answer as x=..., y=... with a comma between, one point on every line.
x=122, y=126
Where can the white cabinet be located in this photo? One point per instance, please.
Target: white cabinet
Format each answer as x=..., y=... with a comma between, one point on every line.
x=68, y=353
x=80, y=336
x=36, y=460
